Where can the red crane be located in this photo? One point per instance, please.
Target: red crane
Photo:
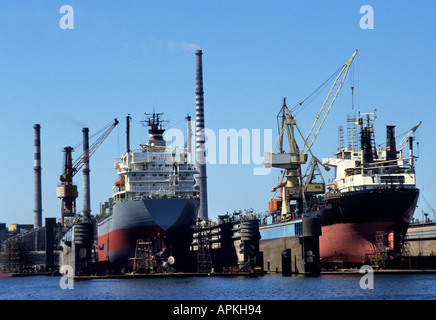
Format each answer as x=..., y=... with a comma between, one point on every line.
x=66, y=190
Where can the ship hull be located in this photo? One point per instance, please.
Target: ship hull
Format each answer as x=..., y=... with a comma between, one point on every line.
x=351, y=242
x=351, y=222
x=164, y=222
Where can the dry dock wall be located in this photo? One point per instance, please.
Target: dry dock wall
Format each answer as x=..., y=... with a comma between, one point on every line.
x=420, y=245
x=282, y=254
x=291, y=247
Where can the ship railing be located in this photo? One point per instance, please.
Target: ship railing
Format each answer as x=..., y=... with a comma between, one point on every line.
x=167, y=188
x=164, y=178
x=157, y=196
x=274, y=217
x=142, y=168
x=227, y=218
x=152, y=195
x=163, y=194
x=161, y=149
x=379, y=168
x=169, y=155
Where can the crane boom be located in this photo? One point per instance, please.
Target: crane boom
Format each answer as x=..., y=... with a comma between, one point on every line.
x=291, y=161
x=71, y=169
x=67, y=191
x=78, y=164
x=411, y=132
x=311, y=136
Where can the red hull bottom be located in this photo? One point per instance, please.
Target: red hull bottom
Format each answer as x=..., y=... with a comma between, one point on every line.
x=117, y=245
x=350, y=242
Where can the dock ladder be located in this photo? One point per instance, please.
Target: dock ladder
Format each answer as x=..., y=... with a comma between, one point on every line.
x=143, y=260
x=204, y=259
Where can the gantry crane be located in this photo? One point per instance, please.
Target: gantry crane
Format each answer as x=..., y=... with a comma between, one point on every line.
x=291, y=161
x=66, y=190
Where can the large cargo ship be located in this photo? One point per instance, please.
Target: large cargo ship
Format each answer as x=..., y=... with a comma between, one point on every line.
x=366, y=210
x=155, y=201
x=372, y=200
x=369, y=205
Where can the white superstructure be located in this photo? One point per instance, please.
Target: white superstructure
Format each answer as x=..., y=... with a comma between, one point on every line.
x=352, y=176
x=369, y=168
x=155, y=171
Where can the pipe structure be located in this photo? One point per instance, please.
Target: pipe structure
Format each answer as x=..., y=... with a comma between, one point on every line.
x=85, y=170
x=189, y=136
x=37, y=217
x=200, y=138
x=412, y=168
x=128, y=118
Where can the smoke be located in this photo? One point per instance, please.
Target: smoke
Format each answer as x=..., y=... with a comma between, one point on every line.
x=190, y=47
x=67, y=119
x=172, y=45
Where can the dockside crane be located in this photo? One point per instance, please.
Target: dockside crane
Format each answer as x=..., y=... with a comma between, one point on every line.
x=66, y=190
x=406, y=138
x=291, y=161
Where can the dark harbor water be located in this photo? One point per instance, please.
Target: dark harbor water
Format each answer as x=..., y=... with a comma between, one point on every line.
x=268, y=287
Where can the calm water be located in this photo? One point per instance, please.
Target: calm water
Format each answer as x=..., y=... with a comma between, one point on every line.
x=269, y=287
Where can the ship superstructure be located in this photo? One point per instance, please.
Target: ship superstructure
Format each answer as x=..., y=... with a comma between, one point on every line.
x=369, y=206
x=155, y=171
x=369, y=168
x=155, y=199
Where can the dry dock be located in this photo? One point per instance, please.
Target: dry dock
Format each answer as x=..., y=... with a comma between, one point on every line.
x=171, y=275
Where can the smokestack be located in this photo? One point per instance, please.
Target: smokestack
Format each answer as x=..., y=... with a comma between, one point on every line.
x=200, y=137
x=391, y=149
x=86, y=185
x=37, y=217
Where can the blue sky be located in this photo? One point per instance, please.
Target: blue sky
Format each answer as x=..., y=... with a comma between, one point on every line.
x=132, y=56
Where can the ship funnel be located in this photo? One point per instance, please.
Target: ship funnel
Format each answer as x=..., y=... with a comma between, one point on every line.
x=391, y=149
x=37, y=170
x=156, y=130
x=200, y=138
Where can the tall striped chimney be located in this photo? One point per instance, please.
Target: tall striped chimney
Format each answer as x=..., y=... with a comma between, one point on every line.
x=86, y=184
x=37, y=216
x=200, y=138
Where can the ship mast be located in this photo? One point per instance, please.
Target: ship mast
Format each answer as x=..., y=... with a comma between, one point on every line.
x=155, y=131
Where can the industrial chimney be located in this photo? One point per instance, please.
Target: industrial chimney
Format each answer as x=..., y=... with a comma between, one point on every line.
x=200, y=138
x=37, y=217
x=86, y=184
